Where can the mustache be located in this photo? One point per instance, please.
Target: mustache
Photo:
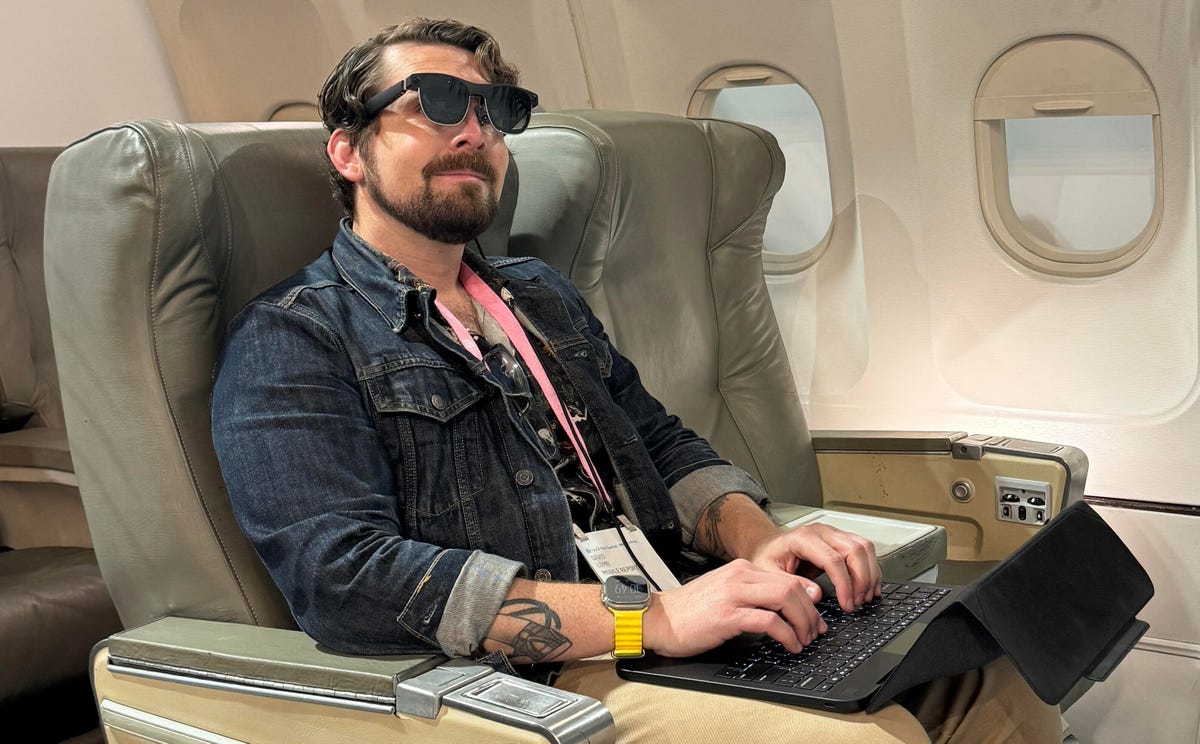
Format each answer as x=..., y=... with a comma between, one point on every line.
x=461, y=161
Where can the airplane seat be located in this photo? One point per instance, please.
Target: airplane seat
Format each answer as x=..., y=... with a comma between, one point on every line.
x=53, y=603
x=157, y=233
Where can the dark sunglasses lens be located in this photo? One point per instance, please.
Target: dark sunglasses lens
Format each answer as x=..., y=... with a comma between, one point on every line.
x=509, y=108
x=444, y=99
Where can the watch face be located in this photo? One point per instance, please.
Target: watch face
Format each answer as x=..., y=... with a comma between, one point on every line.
x=626, y=591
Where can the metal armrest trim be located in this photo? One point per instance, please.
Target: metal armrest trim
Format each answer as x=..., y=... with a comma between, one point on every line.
x=853, y=440
x=252, y=687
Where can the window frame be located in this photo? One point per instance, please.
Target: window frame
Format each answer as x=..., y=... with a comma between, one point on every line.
x=1098, y=79
x=701, y=105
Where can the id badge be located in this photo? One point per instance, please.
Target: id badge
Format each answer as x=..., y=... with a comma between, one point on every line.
x=605, y=552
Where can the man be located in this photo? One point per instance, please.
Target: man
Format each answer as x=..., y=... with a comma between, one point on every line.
x=410, y=446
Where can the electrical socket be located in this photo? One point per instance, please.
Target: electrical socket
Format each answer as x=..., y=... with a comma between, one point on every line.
x=1024, y=501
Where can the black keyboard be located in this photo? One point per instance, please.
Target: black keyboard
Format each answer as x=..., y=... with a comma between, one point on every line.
x=851, y=639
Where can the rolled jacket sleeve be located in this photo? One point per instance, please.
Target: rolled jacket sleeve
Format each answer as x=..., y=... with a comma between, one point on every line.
x=475, y=601
x=695, y=491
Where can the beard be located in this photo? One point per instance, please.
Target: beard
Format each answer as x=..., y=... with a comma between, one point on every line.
x=455, y=217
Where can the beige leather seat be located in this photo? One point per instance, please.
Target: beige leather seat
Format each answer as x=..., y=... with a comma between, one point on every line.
x=53, y=604
x=158, y=233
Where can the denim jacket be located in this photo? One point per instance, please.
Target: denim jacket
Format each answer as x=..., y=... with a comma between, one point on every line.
x=380, y=473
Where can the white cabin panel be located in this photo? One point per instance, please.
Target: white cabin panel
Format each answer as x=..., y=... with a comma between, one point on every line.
x=1107, y=364
x=255, y=61
x=71, y=68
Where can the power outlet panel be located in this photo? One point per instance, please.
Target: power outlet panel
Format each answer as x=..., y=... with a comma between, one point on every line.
x=1022, y=501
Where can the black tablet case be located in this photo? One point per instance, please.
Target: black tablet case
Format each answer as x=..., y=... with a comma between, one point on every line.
x=1062, y=608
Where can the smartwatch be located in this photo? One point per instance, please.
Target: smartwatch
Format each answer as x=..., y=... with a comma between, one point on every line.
x=627, y=598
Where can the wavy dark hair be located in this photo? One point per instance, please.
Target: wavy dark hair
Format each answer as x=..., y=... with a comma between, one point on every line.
x=342, y=102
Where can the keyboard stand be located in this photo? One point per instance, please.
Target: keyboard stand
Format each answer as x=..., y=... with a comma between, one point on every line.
x=1062, y=608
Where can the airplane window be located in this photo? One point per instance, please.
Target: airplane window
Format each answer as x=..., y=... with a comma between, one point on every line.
x=798, y=226
x=1069, y=158
x=1082, y=184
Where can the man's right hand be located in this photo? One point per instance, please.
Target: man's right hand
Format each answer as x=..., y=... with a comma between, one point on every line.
x=724, y=603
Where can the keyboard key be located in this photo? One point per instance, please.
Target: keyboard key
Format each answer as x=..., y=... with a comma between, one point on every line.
x=755, y=670
x=770, y=676
x=811, y=682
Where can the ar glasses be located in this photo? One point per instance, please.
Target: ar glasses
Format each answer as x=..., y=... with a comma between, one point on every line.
x=445, y=100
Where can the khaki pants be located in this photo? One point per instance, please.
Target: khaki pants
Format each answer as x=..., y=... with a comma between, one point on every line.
x=993, y=704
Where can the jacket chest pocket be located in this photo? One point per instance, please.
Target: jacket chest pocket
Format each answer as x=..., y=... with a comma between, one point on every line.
x=433, y=419
x=596, y=348
x=433, y=391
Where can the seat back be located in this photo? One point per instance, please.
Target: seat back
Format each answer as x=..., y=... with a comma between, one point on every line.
x=28, y=378
x=658, y=220
x=158, y=233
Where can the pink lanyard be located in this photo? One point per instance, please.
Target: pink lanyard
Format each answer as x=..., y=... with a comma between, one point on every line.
x=495, y=307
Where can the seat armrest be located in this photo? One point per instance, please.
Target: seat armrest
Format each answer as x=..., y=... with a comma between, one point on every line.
x=961, y=446
x=861, y=440
x=259, y=657
x=244, y=665
x=991, y=493
x=905, y=548
x=39, y=497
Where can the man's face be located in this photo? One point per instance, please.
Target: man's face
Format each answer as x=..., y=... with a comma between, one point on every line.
x=443, y=182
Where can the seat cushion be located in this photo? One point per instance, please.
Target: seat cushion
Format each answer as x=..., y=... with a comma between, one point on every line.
x=53, y=608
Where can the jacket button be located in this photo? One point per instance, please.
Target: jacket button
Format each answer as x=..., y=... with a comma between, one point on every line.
x=542, y=575
x=438, y=402
x=524, y=477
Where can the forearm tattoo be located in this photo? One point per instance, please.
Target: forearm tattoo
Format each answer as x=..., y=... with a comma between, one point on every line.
x=708, y=530
x=532, y=631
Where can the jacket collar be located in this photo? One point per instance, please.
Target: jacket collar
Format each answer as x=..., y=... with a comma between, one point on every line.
x=381, y=280
x=388, y=285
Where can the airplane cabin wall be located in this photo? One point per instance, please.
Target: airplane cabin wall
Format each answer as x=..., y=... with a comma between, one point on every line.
x=71, y=68
x=253, y=61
